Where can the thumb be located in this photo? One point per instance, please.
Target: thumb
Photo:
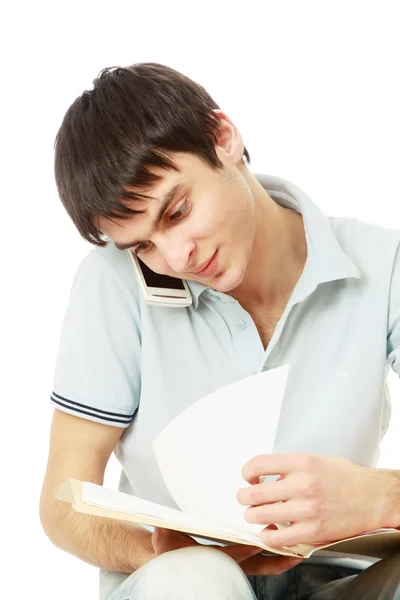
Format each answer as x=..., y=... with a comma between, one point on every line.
x=240, y=552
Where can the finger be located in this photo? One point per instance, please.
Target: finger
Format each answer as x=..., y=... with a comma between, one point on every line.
x=281, y=512
x=170, y=533
x=269, y=565
x=239, y=552
x=298, y=533
x=269, y=464
x=164, y=540
x=265, y=493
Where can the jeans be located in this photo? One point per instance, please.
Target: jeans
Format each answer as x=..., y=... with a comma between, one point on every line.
x=201, y=573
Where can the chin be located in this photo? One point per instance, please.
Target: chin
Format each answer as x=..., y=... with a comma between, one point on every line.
x=227, y=282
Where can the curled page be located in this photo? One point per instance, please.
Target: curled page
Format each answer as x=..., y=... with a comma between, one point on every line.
x=202, y=451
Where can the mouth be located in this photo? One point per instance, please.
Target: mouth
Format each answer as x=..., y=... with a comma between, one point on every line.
x=209, y=268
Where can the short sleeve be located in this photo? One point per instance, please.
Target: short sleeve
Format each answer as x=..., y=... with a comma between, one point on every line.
x=97, y=372
x=393, y=338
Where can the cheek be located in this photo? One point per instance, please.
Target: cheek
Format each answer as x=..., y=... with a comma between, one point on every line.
x=157, y=263
x=211, y=224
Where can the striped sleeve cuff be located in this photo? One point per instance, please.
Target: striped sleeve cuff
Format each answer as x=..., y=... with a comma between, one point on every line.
x=95, y=414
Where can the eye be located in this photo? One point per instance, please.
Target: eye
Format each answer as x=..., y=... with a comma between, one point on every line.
x=143, y=247
x=180, y=212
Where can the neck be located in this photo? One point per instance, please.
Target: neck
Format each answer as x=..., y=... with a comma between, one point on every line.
x=278, y=254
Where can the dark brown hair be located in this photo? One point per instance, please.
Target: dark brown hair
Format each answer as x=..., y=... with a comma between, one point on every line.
x=111, y=136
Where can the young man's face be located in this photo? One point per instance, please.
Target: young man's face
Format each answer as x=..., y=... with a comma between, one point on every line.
x=206, y=233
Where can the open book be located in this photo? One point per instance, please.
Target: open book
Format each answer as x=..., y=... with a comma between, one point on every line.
x=200, y=456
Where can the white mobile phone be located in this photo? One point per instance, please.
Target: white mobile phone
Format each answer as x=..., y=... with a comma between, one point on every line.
x=160, y=290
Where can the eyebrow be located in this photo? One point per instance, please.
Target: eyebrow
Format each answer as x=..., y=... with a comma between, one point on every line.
x=166, y=201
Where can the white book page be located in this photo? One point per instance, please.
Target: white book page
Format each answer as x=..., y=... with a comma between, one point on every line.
x=202, y=451
x=96, y=495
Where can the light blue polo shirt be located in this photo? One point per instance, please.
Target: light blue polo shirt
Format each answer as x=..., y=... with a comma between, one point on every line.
x=124, y=363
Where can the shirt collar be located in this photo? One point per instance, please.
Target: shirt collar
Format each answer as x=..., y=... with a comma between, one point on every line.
x=326, y=261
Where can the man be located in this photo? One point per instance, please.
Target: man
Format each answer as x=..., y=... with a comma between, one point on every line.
x=273, y=281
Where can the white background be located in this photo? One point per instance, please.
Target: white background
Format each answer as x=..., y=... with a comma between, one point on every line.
x=313, y=88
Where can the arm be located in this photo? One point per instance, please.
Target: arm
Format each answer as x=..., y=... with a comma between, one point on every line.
x=80, y=448
x=389, y=482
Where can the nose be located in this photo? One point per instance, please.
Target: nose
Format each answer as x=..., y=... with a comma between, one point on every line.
x=177, y=252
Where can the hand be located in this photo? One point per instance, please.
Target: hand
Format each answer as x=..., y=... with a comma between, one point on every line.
x=164, y=540
x=323, y=498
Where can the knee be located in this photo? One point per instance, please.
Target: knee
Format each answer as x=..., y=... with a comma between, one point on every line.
x=193, y=572
x=192, y=557
x=193, y=562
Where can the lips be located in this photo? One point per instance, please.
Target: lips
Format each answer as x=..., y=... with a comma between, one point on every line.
x=203, y=266
x=208, y=268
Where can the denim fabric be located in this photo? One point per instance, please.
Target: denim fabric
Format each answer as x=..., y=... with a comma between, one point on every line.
x=205, y=573
x=301, y=582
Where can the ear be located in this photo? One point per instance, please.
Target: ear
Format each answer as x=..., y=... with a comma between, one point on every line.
x=229, y=139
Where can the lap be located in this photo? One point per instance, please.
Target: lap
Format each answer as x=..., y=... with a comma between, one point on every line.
x=201, y=572
x=381, y=581
x=191, y=573
x=302, y=581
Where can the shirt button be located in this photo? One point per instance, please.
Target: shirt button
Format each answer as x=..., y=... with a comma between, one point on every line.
x=240, y=325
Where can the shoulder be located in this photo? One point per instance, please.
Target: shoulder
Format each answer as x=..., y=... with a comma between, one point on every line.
x=368, y=245
x=108, y=268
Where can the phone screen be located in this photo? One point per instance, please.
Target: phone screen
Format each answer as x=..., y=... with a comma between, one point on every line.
x=161, y=281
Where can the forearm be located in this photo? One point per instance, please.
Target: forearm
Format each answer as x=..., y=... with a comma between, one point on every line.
x=114, y=545
x=387, y=484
